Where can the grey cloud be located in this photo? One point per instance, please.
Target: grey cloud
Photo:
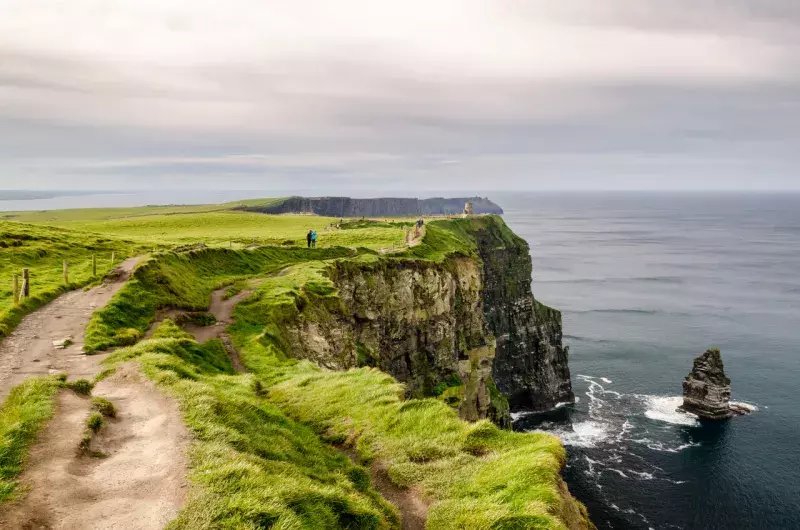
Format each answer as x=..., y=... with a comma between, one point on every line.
x=558, y=110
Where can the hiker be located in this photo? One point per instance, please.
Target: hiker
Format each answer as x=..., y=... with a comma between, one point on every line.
x=309, y=235
x=313, y=239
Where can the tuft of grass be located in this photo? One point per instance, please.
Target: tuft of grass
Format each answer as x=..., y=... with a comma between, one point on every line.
x=22, y=415
x=80, y=386
x=104, y=407
x=94, y=422
x=251, y=465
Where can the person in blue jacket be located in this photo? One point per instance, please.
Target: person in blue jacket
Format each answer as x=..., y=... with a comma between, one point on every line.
x=313, y=239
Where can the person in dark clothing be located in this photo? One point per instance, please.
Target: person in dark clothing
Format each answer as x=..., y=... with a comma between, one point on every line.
x=308, y=238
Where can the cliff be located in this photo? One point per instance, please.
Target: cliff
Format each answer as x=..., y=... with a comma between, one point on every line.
x=453, y=318
x=379, y=207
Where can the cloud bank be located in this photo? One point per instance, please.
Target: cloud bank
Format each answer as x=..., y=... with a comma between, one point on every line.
x=478, y=94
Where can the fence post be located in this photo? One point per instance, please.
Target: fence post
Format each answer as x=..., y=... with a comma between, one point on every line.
x=65, y=270
x=16, y=289
x=26, y=283
x=94, y=264
x=113, y=257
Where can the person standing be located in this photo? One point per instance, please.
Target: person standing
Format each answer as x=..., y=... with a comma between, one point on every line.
x=313, y=239
x=308, y=238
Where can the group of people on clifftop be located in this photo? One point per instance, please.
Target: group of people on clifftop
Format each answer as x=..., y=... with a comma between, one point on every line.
x=311, y=238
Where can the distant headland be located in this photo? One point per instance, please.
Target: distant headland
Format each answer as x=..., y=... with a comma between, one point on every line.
x=377, y=207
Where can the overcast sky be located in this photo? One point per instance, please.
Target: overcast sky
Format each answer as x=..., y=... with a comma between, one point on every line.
x=407, y=94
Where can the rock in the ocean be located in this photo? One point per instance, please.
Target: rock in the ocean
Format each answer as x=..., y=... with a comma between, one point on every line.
x=707, y=390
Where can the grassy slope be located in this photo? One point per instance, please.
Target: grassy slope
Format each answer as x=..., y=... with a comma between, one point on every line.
x=22, y=415
x=185, y=281
x=42, y=250
x=252, y=466
x=477, y=475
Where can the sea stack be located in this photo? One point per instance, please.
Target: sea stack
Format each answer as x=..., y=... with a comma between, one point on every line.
x=707, y=390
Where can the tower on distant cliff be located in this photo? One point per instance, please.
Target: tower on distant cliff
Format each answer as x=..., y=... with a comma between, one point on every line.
x=467, y=208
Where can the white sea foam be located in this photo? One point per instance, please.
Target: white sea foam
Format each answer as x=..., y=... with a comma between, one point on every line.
x=664, y=408
x=747, y=406
x=605, y=380
x=584, y=434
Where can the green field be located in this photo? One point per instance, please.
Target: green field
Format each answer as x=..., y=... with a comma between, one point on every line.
x=43, y=250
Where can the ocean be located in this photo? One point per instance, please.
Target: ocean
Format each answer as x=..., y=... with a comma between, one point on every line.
x=646, y=282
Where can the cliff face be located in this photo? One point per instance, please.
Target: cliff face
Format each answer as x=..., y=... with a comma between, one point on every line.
x=530, y=366
x=380, y=207
x=466, y=329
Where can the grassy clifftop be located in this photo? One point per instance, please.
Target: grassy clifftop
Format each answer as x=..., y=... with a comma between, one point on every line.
x=267, y=439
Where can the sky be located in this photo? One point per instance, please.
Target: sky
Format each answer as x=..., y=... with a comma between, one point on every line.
x=403, y=95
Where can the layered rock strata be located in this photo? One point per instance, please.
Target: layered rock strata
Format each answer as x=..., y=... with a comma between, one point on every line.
x=466, y=329
x=707, y=390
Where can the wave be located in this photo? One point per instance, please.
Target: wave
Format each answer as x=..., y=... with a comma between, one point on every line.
x=664, y=408
x=747, y=406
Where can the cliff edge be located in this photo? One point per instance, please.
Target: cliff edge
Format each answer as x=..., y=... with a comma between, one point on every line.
x=453, y=318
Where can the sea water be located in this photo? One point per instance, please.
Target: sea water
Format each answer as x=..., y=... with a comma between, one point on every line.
x=646, y=282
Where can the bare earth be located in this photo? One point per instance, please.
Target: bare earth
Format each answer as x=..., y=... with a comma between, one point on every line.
x=29, y=351
x=413, y=510
x=223, y=311
x=139, y=484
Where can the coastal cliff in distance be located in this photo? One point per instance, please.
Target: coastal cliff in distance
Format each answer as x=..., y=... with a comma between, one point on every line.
x=379, y=207
x=461, y=325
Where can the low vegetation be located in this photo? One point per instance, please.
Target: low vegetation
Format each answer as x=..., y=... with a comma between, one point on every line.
x=185, y=281
x=234, y=228
x=42, y=250
x=251, y=465
x=474, y=475
x=22, y=415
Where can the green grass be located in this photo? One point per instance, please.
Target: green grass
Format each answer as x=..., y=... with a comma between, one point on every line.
x=104, y=407
x=185, y=281
x=221, y=228
x=251, y=466
x=42, y=250
x=475, y=475
x=22, y=415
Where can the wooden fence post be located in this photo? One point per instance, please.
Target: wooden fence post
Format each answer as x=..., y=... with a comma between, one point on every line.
x=94, y=264
x=16, y=289
x=65, y=270
x=113, y=257
x=26, y=283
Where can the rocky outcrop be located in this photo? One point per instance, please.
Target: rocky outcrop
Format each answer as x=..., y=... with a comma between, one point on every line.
x=379, y=207
x=707, y=390
x=465, y=329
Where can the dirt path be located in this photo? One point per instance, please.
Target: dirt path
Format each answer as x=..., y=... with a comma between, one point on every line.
x=140, y=483
x=29, y=350
x=413, y=510
x=222, y=309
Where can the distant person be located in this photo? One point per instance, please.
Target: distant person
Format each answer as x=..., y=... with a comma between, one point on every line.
x=309, y=236
x=313, y=239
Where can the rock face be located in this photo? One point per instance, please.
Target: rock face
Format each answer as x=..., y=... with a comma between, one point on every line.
x=466, y=329
x=531, y=363
x=707, y=390
x=379, y=207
